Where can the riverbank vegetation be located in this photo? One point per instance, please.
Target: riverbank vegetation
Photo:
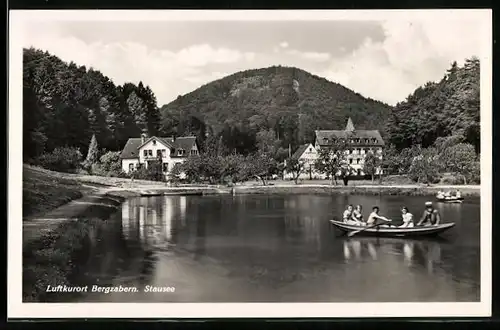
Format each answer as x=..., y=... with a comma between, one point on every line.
x=53, y=258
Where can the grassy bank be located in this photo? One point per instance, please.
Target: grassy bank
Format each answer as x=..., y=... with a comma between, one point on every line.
x=45, y=191
x=53, y=259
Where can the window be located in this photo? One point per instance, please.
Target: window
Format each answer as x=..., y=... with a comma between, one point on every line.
x=154, y=142
x=180, y=152
x=145, y=153
x=367, y=141
x=374, y=140
x=350, y=160
x=359, y=172
x=358, y=140
x=150, y=153
x=158, y=153
x=357, y=161
x=359, y=151
x=131, y=167
x=165, y=167
x=194, y=152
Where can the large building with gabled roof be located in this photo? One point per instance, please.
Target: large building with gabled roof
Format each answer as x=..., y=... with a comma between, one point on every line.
x=359, y=143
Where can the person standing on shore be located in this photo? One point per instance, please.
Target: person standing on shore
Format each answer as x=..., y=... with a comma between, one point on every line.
x=430, y=217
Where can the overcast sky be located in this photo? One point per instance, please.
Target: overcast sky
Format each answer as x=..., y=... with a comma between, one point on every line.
x=384, y=60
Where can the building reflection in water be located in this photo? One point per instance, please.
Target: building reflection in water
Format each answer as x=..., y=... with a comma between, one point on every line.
x=426, y=254
x=151, y=220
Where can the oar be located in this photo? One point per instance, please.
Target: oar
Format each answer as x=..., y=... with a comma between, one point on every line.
x=352, y=233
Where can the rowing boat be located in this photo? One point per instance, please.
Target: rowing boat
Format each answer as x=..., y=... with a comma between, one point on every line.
x=394, y=231
x=450, y=199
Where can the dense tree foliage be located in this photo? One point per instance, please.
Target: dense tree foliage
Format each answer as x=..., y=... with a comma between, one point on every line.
x=64, y=105
x=440, y=109
x=288, y=102
x=371, y=164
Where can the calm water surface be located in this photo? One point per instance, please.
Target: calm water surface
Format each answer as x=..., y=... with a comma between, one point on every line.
x=281, y=248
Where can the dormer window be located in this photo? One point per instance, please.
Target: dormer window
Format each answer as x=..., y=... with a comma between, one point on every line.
x=180, y=152
x=374, y=140
x=367, y=141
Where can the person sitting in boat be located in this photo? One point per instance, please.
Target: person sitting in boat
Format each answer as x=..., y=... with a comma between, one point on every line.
x=458, y=195
x=447, y=195
x=347, y=216
x=407, y=218
x=430, y=217
x=440, y=194
x=357, y=215
x=374, y=216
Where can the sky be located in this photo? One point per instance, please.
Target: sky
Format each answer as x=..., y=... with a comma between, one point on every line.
x=384, y=59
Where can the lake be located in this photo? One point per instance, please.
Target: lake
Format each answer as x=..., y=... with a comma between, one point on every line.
x=281, y=248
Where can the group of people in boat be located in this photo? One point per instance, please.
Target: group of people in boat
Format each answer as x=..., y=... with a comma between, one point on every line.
x=448, y=195
x=354, y=216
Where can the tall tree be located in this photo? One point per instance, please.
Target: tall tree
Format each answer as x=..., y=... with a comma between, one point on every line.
x=138, y=109
x=92, y=154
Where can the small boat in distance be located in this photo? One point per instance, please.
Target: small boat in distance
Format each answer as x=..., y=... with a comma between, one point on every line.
x=448, y=197
x=393, y=231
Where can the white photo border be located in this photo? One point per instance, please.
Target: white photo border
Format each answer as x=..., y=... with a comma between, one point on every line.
x=17, y=309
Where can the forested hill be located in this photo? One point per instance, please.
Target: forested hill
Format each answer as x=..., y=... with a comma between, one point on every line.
x=449, y=107
x=291, y=102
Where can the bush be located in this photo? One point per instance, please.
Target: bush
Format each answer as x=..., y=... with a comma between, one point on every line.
x=175, y=174
x=452, y=180
x=425, y=167
x=62, y=159
x=152, y=173
x=474, y=176
x=109, y=165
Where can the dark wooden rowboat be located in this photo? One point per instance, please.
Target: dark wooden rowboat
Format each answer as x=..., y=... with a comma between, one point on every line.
x=394, y=232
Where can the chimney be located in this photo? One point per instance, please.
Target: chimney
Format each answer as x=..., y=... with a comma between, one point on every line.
x=143, y=138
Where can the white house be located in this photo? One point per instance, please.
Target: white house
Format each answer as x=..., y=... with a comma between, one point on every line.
x=307, y=154
x=139, y=151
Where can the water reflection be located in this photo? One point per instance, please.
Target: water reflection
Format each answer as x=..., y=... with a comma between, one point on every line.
x=425, y=254
x=260, y=248
x=151, y=221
